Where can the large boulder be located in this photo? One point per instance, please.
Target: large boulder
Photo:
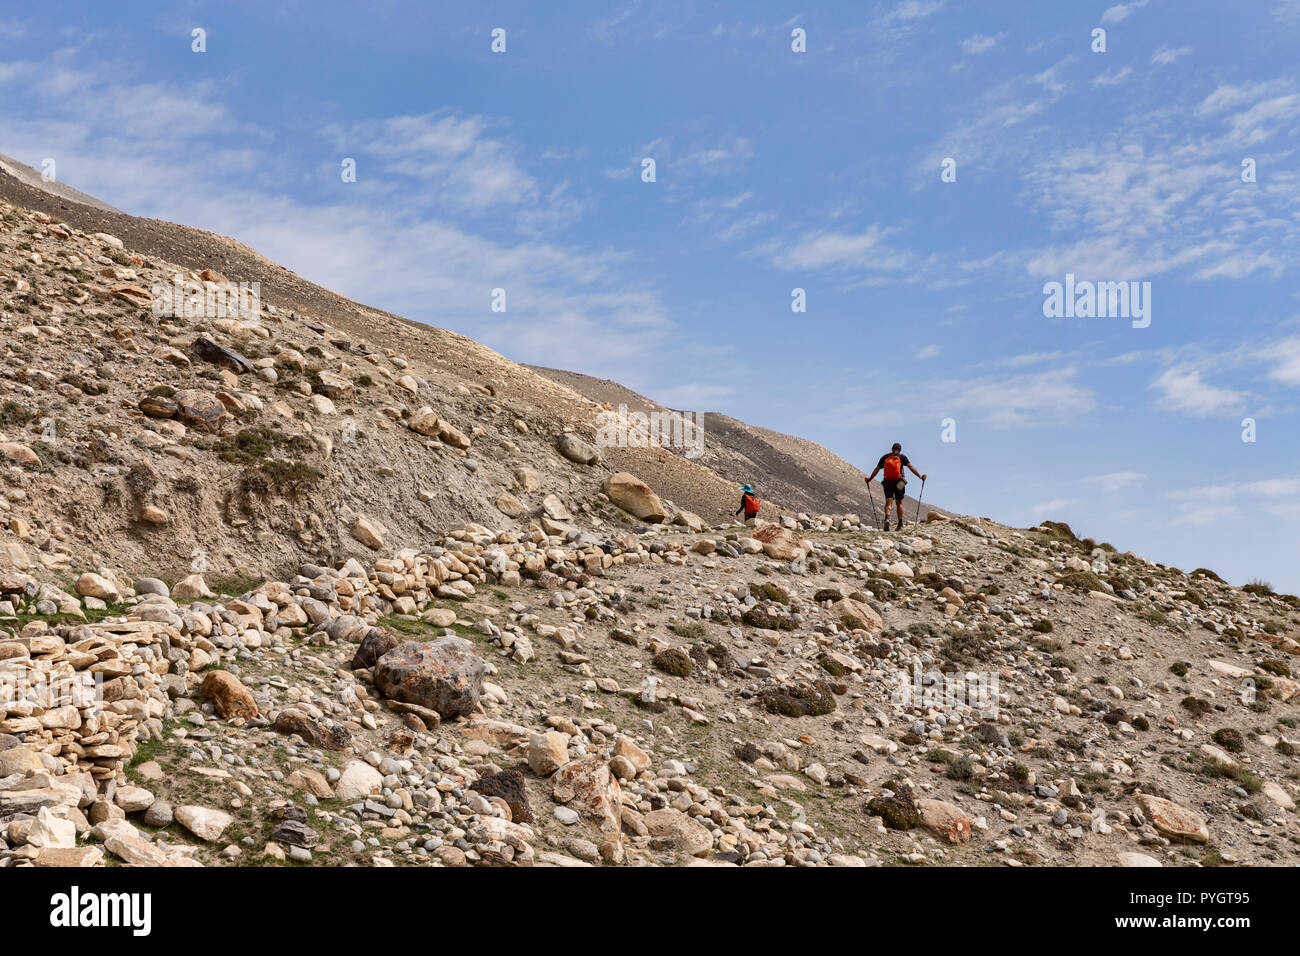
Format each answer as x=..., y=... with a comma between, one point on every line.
x=97, y=586
x=677, y=831
x=190, y=587
x=316, y=734
x=1172, y=820
x=204, y=822
x=16, y=451
x=854, y=615
x=575, y=449
x=358, y=781
x=210, y=351
x=548, y=752
x=635, y=497
x=781, y=543
x=443, y=675
x=945, y=820
x=424, y=421
x=230, y=698
x=199, y=409
x=509, y=786
x=370, y=533
x=587, y=786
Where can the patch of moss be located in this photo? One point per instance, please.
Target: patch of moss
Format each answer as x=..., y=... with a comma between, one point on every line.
x=769, y=591
x=1230, y=739
x=800, y=700
x=674, y=661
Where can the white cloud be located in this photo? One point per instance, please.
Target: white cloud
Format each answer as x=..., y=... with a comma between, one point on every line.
x=928, y=351
x=1167, y=55
x=1290, y=511
x=1029, y=358
x=450, y=155
x=693, y=396
x=1112, y=77
x=999, y=401
x=1287, y=12
x=910, y=10
x=1121, y=11
x=1011, y=401
x=1264, y=487
x=840, y=250
x=718, y=159
x=1210, y=503
x=1182, y=389
x=1199, y=515
x=1055, y=506
x=1117, y=480
x=979, y=43
x=1285, y=356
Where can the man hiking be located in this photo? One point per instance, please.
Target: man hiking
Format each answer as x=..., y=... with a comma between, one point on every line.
x=748, y=504
x=892, y=464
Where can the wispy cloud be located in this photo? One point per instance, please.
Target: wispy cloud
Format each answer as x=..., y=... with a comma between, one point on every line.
x=979, y=43
x=1182, y=389
x=909, y=11
x=1284, y=356
x=1055, y=506
x=827, y=249
x=1112, y=77
x=1206, y=504
x=1167, y=55
x=1121, y=11
x=1116, y=480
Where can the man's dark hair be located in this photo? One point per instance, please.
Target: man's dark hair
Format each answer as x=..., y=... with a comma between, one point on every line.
x=897, y=447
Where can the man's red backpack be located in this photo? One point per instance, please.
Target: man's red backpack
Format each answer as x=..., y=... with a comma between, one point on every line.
x=893, y=468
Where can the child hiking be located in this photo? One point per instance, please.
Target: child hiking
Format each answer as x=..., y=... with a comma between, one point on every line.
x=748, y=504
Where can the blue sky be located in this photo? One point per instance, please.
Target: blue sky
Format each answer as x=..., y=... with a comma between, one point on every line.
x=775, y=170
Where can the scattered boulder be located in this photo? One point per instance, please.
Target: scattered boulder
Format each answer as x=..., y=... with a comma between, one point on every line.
x=230, y=698
x=576, y=450
x=780, y=543
x=205, y=823
x=677, y=831
x=358, y=781
x=1173, y=820
x=635, y=497
x=443, y=675
x=587, y=786
x=509, y=786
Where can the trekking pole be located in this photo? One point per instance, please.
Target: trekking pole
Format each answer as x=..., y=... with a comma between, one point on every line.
x=875, y=519
x=918, y=501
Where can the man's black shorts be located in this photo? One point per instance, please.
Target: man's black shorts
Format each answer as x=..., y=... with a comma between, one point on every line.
x=894, y=489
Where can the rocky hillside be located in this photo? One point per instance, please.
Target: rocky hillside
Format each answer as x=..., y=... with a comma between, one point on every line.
x=250, y=443
x=314, y=584
x=824, y=694
x=799, y=474
x=408, y=427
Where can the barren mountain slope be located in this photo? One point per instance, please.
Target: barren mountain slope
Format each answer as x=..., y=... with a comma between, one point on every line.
x=795, y=472
x=80, y=358
x=342, y=599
